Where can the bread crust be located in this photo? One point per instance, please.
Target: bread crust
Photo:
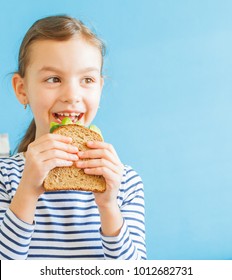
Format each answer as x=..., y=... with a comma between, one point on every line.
x=73, y=178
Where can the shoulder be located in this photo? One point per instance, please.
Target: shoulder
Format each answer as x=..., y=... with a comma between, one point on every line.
x=131, y=180
x=131, y=191
x=130, y=175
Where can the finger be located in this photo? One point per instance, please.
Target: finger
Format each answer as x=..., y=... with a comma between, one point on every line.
x=102, y=145
x=99, y=154
x=49, y=144
x=95, y=153
x=52, y=163
x=94, y=163
x=56, y=145
x=50, y=136
x=107, y=173
x=57, y=154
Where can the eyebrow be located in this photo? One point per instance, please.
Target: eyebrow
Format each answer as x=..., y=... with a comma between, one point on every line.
x=55, y=69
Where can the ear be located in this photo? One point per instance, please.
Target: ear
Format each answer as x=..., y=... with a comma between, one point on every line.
x=19, y=88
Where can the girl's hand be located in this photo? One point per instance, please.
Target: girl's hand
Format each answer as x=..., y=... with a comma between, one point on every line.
x=103, y=160
x=44, y=154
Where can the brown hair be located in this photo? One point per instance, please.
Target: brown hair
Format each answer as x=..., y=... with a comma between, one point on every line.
x=58, y=28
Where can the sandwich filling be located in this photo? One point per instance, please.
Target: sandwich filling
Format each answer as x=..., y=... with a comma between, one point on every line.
x=67, y=120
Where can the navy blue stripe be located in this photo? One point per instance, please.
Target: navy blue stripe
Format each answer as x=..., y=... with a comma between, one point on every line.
x=67, y=216
x=4, y=255
x=137, y=241
x=136, y=204
x=4, y=201
x=136, y=194
x=12, y=164
x=11, y=174
x=6, y=191
x=14, y=251
x=120, y=197
x=14, y=232
x=117, y=248
x=65, y=248
x=66, y=200
x=132, y=212
x=67, y=208
x=142, y=251
x=132, y=186
x=134, y=219
x=67, y=232
x=133, y=196
x=19, y=227
x=67, y=240
x=12, y=190
x=137, y=228
x=69, y=192
x=130, y=256
x=10, y=160
x=129, y=170
x=68, y=224
x=13, y=241
x=11, y=181
x=14, y=168
x=65, y=257
x=130, y=178
x=122, y=253
x=136, y=234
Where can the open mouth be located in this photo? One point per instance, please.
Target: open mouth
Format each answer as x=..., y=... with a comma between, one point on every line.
x=74, y=117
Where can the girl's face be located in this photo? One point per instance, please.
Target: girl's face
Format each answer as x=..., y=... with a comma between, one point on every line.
x=63, y=78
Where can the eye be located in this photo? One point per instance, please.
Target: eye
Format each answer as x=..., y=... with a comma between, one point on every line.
x=88, y=80
x=53, y=80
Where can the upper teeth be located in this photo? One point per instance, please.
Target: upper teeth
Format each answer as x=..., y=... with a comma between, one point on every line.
x=68, y=114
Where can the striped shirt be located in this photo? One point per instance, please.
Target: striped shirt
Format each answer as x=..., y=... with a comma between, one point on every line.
x=67, y=223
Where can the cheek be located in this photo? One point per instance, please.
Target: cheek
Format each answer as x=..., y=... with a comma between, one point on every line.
x=37, y=105
x=92, y=109
x=95, y=104
x=93, y=99
x=40, y=99
x=40, y=107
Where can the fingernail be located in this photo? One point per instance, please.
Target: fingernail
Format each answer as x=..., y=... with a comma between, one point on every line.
x=90, y=143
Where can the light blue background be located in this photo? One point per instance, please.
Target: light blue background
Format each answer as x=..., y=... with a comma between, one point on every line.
x=166, y=107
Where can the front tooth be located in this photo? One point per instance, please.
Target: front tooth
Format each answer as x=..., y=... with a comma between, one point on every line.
x=73, y=114
x=66, y=114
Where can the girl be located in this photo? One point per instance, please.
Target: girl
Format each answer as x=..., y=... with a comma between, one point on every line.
x=60, y=74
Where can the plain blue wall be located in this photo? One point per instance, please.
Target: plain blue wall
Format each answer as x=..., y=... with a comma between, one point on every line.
x=166, y=107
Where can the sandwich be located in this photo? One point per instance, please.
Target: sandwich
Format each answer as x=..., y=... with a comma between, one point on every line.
x=73, y=178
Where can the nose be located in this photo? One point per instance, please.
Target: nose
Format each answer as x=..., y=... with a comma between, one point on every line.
x=71, y=93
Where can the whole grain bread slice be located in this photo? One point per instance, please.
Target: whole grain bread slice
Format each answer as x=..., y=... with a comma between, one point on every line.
x=73, y=178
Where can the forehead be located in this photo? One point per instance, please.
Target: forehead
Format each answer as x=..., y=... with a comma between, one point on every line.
x=68, y=54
